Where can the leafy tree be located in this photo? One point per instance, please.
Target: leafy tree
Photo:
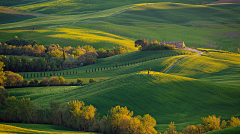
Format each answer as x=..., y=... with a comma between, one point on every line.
x=234, y=122
x=2, y=74
x=79, y=81
x=54, y=80
x=211, y=123
x=88, y=48
x=171, y=129
x=25, y=107
x=91, y=80
x=190, y=129
x=119, y=50
x=3, y=95
x=89, y=116
x=12, y=111
x=44, y=81
x=13, y=79
x=119, y=119
x=102, y=53
x=33, y=82
x=62, y=80
x=75, y=108
x=24, y=83
x=148, y=124
x=56, y=112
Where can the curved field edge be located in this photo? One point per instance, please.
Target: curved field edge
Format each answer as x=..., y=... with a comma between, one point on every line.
x=6, y=128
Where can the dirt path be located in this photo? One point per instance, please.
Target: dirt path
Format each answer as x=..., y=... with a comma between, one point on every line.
x=173, y=65
x=199, y=53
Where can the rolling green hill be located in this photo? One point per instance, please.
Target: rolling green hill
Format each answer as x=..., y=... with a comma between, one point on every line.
x=86, y=6
x=196, y=87
x=165, y=97
x=233, y=130
x=19, y=128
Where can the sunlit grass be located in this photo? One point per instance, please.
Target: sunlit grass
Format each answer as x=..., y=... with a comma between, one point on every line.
x=235, y=58
x=194, y=65
x=165, y=97
x=17, y=128
x=167, y=5
x=93, y=36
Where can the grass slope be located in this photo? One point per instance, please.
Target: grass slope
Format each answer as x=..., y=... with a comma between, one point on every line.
x=215, y=67
x=166, y=97
x=19, y=128
x=11, y=18
x=232, y=130
x=156, y=65
x=85, y=6
x=178, y=13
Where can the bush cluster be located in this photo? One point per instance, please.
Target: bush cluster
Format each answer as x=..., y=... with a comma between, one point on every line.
x=152, y=45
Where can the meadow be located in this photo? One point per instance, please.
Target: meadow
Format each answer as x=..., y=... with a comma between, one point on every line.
x=19, y=128
x=144, y=93
x=196, y=87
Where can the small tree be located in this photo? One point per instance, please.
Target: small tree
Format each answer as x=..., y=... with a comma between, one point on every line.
x=91, y=80
x=3, y=95
x=24, y=83
x=234, y=122
x=79, y=81
x=62, y=80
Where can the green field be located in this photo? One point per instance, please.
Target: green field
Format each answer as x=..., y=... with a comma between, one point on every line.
x=233, y=130
x=198, y=86
x=167, y=97
x=19, y=128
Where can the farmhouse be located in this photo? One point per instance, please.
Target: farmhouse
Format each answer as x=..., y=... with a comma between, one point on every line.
x=179, y=44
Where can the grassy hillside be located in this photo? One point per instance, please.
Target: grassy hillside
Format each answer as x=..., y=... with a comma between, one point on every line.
x=165, y=97
x=232, y=130
x=107, y=35
x=215, y=67
x=156, y=65
x=11, y=18
x=19, y=128
x=178, y=13
x=85, y=6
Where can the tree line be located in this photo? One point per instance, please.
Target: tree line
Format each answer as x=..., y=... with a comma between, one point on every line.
x=152, y=45
x=52, y=57
x=75, y=114
x=11, y=79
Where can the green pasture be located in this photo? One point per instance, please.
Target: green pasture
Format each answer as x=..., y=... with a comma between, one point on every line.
x=156, y=65
x=11, y=18
x=162, y=21
x=21, y=128
x=58, y=7
x=166, y=97
x=232, y=130
x=178, y=14
x=215, y=36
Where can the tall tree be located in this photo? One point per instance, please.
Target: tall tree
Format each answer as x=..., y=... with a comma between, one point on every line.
x=75, y=108
x=2, y=74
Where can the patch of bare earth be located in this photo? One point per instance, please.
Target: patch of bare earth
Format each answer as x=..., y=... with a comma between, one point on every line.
x=6, y=10
x=226, y=1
